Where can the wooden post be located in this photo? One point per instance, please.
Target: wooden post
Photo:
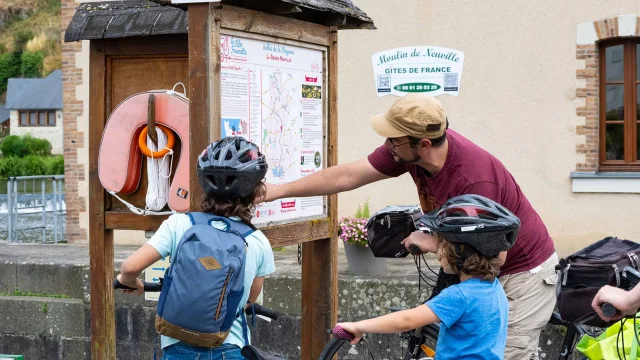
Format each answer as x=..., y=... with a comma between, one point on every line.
x=332, y=146
x=204, y=86
x=103, y=329
x=215, y=11
x=320, y=258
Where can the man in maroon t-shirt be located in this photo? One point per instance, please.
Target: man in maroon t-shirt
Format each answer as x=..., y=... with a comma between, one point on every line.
x=444, y=164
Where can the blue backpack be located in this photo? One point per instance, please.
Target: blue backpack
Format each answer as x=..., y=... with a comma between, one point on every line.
x=204, y=284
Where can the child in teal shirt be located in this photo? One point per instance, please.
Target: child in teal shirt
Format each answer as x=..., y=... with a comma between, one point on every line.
x=231, y=172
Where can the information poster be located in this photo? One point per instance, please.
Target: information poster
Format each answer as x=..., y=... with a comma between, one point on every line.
x=272, y=94
x=418, y=69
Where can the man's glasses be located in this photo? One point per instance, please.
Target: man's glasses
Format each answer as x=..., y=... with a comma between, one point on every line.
x=395, y=146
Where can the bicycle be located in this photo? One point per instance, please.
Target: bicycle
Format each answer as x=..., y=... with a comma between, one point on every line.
x=421, y=342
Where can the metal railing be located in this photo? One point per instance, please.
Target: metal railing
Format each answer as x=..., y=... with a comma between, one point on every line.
x=27, y=199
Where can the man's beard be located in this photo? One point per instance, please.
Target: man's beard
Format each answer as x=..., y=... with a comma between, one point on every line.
x=414, y=159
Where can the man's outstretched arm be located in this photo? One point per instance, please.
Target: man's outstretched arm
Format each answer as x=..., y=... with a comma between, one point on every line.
x=329, y=181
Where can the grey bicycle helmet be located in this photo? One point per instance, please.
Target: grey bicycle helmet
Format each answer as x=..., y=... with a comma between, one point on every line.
x=477, y=221
x=231, y=167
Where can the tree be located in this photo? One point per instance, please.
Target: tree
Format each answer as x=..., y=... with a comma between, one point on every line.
x=31, y=64
x=9, y=68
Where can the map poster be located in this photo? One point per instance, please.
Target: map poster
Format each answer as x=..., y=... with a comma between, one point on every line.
x=418, y=69
x=272, y=94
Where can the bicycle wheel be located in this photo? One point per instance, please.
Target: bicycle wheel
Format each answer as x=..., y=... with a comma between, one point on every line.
x=380, y=346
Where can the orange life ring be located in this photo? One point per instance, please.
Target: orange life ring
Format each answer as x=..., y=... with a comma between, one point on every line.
x=142, y=142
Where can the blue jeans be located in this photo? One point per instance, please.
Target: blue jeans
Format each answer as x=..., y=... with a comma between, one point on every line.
x=184, y=351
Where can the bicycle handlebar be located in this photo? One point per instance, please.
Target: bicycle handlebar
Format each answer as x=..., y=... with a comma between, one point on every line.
x=148, y=286
x=340, y=333
x=608, y=310
x=632, y=278
x=263, y=310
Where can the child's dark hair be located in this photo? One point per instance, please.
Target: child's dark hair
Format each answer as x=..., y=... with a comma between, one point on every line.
x=227, y=207
x=475, y=264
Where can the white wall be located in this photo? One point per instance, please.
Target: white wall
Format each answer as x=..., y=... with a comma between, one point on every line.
x=54, y=134
x=517, y=100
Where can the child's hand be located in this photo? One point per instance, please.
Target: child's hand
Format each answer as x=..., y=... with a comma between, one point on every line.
x=427, y=243
x=352, y=328
x=137, y=284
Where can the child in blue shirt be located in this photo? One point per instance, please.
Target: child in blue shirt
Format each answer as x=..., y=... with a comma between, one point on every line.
x=231, y=173
x=473, y=234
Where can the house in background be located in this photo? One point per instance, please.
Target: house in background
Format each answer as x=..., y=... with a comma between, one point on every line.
x=5, y=115
x=35, y=107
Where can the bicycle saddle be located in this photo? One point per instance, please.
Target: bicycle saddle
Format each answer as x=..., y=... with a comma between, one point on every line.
x=252, y=353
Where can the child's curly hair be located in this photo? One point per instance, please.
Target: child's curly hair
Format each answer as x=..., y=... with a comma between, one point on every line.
x=475, y=264
x=240, y=207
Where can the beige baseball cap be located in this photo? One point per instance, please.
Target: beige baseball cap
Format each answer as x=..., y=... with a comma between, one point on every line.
x=416, y=115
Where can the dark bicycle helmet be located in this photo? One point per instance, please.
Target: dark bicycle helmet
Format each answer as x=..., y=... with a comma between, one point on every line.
x=231, y=167
x=477, y=221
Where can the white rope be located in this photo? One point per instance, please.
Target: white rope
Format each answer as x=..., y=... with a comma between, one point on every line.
x=137, y=210
x=158, y=174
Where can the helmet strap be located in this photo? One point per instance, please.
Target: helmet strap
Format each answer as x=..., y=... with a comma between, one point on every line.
x=462, y=256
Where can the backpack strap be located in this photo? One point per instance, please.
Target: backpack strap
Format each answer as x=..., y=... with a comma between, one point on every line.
x=241, y=228
x=245, y=329
x=251, y=230
x=237, y=227
x=199, y=218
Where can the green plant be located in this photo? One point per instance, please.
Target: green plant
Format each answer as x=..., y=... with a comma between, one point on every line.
x=9, y=68
x=352, y=229
x=31, y=165
x=37, y=146
x=363, y=212
x=54, y=165
x=13, y=145
x=51, y=6
x=34, y=165
x=44, y=308
x=31, y=64
x=12, y=166
x=17, y=146
x=18, y=292
x=21, y=36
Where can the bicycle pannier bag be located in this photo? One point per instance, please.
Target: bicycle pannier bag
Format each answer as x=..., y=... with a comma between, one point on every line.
x=388, y=227
x=582, y=274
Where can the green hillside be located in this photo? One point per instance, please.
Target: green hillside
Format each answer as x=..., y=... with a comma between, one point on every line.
x=30, y=37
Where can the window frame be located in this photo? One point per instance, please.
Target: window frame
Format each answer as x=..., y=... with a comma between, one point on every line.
x=630, y=82
x=37, y=113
